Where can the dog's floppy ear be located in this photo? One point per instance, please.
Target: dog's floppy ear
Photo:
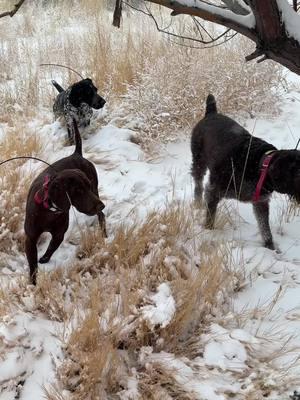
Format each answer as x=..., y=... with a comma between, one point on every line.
x=81, y=92
x=75, y=96
x=74, y=176
x=58, y=193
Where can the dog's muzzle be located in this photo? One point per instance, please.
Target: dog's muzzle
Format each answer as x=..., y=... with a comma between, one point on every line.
x=99, y=103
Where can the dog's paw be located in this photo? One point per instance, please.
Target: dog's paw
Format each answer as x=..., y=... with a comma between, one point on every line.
x=44, y=260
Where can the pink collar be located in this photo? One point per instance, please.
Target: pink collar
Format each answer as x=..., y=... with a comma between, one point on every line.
x=43, y=200
x=263, y=174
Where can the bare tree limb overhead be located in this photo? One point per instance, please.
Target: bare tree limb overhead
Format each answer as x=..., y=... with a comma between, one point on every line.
x=14, y=10
x=273, y=25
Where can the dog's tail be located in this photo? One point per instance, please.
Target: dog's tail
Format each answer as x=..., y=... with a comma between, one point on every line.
x=57, y=86
x=78, y=141
x=211, y=105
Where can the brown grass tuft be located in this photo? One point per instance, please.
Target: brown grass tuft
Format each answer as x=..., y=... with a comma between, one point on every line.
x=14, y=183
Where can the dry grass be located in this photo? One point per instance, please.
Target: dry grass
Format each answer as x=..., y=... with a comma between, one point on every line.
x=106, y=292
x=100, y=298
x=156, y=102
x=100, y=301
x=14, y=183
x=171, y=96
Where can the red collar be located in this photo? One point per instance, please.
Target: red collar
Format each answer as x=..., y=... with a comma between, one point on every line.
x=263, y=174
x=43, y=200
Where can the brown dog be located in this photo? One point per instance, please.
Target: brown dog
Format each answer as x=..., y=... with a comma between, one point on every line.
x=69, y=181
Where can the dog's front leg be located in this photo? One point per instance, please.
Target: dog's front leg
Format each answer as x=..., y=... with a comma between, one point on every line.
x=31, y=254
x=102, y=223
x=69, y=123
x=211, y=202
x=261, y=211
x=56, y=240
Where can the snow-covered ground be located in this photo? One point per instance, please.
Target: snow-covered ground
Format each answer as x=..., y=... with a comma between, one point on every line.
x=264, y=314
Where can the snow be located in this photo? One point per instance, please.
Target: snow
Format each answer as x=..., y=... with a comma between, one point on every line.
x=263, y=316
x=290, y=18
x=163, y=309
x=32, y=348
x=248, y=21
x=187, y=377
x=225, y=352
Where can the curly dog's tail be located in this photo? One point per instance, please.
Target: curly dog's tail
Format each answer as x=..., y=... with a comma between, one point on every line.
x=211, y=105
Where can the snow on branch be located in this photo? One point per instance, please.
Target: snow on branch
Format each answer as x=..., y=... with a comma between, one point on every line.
x=273, y=25
x=290, y=19
x=237, y=6
x=244, y=24
x=13, y=11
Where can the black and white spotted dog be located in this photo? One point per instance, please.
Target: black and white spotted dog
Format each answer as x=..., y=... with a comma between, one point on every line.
x=77, y=102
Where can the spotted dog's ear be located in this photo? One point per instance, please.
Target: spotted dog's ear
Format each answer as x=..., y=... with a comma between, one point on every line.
x=82, y=92
x=75, y=96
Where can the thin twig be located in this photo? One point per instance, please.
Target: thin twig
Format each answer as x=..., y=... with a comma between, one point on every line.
x=26, y=158
x=204, y=47
x=193, y=39
x=63, y=66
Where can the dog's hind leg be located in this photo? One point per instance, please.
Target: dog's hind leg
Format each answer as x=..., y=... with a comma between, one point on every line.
x=198, y=171
x=261, y=211
x=211, y=198
x=31, y=254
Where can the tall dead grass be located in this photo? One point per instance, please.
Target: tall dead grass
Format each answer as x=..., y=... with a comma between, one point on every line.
x=151, y=84
x=100, y=301
x=101, y=298
x=14, y=183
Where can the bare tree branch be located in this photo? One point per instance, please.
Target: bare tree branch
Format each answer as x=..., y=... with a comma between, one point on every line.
x=270, y=24
x=240, y=23
x=13, y=11
x=206, y=42
x=265, y=25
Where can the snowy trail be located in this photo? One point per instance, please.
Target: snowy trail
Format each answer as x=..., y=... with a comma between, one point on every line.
x=133, y=185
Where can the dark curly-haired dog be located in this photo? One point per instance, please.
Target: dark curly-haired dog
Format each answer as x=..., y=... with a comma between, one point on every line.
x=77, y=102
x=241, y=166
